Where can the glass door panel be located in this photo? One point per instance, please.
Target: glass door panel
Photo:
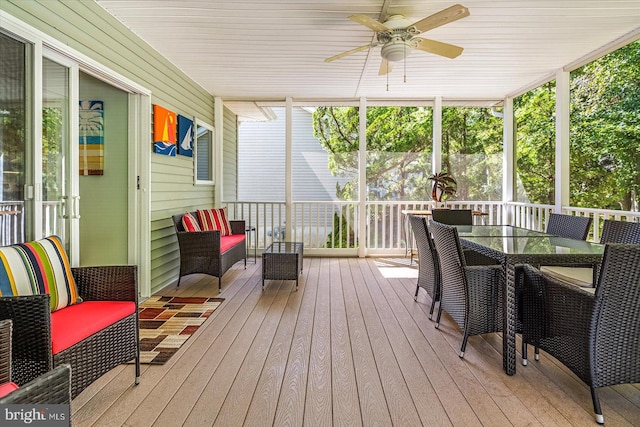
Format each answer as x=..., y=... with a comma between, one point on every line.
x=56, y=205
x=13, y=139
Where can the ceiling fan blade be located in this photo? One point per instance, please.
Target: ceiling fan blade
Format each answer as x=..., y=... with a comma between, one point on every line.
x=349, y=52
x=385, y=67
x=369, y=23
x=438, y=48
x=438, y=19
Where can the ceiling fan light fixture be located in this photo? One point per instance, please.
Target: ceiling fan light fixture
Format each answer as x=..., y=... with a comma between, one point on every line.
x=396, y=51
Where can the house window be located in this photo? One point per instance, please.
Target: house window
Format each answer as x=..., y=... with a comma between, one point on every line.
x=204, y=154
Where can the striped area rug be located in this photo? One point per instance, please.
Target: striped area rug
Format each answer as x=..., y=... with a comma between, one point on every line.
x=166, y=323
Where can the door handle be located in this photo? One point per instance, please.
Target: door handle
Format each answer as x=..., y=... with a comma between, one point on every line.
x=76, y=207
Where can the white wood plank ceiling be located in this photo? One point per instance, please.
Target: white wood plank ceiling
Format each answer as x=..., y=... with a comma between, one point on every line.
x=269, y=50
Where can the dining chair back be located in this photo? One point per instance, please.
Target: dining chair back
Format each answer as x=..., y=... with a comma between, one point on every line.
x=471, y=295
x=453, y=216
x=428, y=263
x=595, y=334
x=570, y=226
x=620, y=232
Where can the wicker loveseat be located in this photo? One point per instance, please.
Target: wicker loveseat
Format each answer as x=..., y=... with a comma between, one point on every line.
x=53, y=387
x=93, y=335
x=208, y=252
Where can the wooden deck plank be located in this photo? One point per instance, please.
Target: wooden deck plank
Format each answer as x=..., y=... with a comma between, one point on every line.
x=217, y=375
x=373, y=404
x=426, y=401
x=317, y=411
x=401, y=406
x=238, y=400
x=290, y=408
x=346, y=407
x=264, y=401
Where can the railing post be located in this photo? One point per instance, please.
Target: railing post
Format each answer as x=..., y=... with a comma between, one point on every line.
x=362, y=179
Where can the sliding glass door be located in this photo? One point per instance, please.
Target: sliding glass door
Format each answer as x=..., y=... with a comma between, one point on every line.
x=38, y=116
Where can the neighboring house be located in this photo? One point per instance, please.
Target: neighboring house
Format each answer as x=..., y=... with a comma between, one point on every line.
x=261, y=167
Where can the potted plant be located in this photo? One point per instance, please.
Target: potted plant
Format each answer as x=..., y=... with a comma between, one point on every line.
x=443, y=186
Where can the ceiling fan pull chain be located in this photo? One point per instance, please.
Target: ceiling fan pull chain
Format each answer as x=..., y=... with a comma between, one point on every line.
x=405, y=62
x=387, y=76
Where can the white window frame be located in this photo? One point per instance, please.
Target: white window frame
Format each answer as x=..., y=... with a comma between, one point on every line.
x=212, y=147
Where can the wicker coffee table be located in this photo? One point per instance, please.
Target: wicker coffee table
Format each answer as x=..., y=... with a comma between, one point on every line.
x=282, y=261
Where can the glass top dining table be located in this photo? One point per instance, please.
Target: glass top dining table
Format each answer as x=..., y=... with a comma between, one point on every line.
x=510, y=246
x=497, y=231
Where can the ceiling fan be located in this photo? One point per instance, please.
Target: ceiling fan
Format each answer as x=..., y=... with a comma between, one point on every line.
x=398, y=36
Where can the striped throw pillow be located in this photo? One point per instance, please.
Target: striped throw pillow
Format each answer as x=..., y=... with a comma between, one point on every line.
x=190, y=223
x=39, y=267
x=215, y=219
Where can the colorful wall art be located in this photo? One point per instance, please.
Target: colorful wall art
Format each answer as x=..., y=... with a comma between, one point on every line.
x=185, y=136
x=91, y=130
x=164, y=131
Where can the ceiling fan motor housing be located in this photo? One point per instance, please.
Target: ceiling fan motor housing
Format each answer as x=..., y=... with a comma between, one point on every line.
x=396, y=50
x=397, y=43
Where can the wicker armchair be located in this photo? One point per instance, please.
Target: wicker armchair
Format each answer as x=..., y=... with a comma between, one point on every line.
x=472, y=295
x=53, y=387
x=428, y=264
x=570, y=226
x=90, y=358
x=595, y=334
x=453, y=216
x=200, y=251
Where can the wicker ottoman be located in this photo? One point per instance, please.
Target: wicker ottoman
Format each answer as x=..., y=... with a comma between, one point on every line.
x=282, y=261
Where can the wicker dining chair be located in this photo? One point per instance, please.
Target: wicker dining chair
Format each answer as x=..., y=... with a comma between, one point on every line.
x=53, y=387
x=570, y=226
x=595, y=334
x=472, y=295
x=428, y=264
x=453, y=216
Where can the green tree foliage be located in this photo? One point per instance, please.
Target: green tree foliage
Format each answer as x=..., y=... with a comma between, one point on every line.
x=472, y=152
x=534, y=114
x=398, y=147
x=605, y=131
x=604, y=135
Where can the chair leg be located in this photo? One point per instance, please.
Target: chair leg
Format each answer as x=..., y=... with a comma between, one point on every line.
x=536, y=353
x=415, y=297
x=178, y=285
x=137, y=369
x=433, y=306
x=438, y=317
x=464, y=345
x=524, y=353
x=596, y=406
x=219, y=283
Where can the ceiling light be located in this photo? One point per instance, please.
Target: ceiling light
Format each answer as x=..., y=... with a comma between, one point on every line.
x=396, y=50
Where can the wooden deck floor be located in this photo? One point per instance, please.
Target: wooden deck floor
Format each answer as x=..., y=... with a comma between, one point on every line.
x=350, y=347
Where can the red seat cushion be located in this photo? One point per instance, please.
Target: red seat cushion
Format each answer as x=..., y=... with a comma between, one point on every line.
x=7, y=388
x=76, y=322
x=227, y=242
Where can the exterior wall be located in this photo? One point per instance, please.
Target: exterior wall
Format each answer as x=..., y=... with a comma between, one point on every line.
x=261, y=161
x=230, y=156
x=89, y=29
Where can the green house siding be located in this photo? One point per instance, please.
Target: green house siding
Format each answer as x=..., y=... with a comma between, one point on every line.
x=92, y=31
x=230, y=156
